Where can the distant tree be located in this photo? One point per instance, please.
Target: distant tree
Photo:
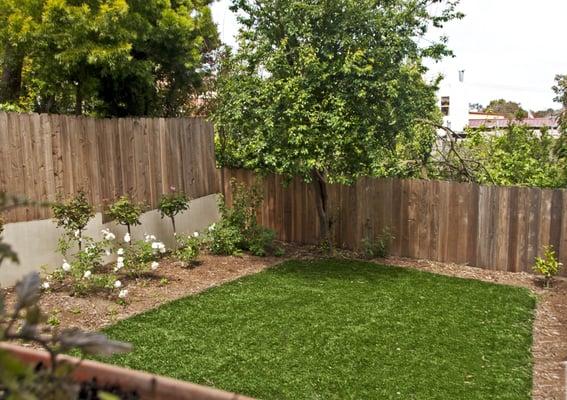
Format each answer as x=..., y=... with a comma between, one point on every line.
x=509, y=109
x=477, y=107
x=325, y=90
x=550, y=112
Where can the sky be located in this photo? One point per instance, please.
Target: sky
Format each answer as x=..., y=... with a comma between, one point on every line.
x=509, y=49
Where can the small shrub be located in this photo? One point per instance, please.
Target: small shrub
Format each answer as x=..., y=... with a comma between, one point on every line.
x=261, y=240
x=548, y=266
x=188, y=248
x=126, y=212
x=73, y=216
x=85, y=274
x=238, y=228
x=141, y=257
x=172, y=204
x=225, y=239
x=379, y=246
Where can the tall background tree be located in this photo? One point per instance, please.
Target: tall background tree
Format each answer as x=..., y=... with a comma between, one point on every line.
x=105, y=57
x=560, y=89
x=326, y=89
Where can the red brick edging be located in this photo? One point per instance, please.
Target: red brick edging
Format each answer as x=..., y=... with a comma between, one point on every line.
x=148, y=386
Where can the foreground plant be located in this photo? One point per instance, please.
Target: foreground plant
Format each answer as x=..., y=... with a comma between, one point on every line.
x=73, y=216
x=26, y=323
x=548, y=265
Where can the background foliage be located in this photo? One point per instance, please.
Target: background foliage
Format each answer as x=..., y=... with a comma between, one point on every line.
x=105, y=57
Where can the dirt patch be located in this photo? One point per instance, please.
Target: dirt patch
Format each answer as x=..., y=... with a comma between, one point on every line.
x=173, y=281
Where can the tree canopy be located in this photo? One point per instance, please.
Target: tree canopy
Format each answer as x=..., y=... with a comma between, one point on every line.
x=105, y=57
x=509, y=109
x=326, y=89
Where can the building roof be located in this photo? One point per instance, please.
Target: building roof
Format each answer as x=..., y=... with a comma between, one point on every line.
x=547, y=122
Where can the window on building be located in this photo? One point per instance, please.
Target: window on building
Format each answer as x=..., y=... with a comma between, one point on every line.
x=445, y=105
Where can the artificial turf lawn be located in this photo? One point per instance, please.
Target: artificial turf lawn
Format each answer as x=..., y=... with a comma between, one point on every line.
x=342, y=330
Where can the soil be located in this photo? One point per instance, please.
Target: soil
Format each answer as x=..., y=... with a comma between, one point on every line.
x=172, y=281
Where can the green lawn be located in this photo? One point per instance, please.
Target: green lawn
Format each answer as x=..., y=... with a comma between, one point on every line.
x=342, y=330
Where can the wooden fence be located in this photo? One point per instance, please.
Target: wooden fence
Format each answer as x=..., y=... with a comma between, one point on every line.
x=46, y=156
x=486, y=226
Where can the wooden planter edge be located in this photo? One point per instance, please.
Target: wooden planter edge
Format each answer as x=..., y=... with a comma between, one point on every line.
x=148, y=386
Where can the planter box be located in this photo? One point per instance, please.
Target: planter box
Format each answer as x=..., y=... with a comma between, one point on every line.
x=148, y=386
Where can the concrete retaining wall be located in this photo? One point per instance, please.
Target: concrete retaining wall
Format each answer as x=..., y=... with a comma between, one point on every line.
x=35, y=242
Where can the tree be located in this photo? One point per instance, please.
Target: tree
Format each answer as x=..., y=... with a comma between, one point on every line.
x=517, y=156
x=105, y=57
x=550, y=112
x=560, y=89
x=325, y=89
x=509, y=109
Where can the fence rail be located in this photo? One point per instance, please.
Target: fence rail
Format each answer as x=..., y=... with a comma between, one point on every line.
x=45, y=156
x=502, y=228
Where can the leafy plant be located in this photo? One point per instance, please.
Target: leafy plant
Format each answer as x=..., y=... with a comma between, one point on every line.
x=188, y=248
x=548, y=265
x=378, y=246
x=73, y=216
x=172, y=204
x=85, y=273
x=27, y=323
x=261, y=240
x=238, y=228
x=142, y=256
x=126, y=212
x=225, y=239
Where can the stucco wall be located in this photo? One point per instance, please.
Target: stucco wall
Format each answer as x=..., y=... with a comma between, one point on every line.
x=35, y=242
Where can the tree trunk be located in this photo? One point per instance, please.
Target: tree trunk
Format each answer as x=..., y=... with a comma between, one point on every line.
x=11, y=83
x=322, y=202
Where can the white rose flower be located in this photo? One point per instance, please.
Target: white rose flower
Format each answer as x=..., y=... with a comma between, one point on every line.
x=155, y=265
x=196, y=234
x=120, y=260
x=127, y=238
x=45, y=285
x=87, y=274
x=117, y=284
x=149, y=238
x=120, y=251
x=66, y=266
x=123, y=293
x=108, y=235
